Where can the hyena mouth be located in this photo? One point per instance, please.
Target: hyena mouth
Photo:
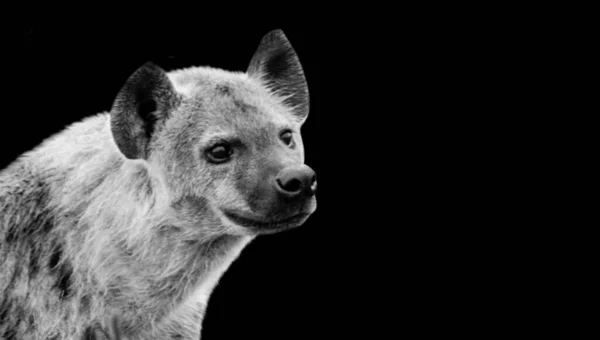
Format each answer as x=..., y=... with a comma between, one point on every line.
x=272, y=225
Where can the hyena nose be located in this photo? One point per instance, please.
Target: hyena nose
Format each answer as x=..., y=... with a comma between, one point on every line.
x=295, y=181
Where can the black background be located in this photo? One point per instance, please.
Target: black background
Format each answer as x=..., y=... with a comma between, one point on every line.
x=409, y=237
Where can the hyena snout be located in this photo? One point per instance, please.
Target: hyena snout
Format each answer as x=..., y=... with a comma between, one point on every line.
x=296, y=181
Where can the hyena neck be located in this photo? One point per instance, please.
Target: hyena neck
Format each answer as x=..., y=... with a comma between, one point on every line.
x=109, y=232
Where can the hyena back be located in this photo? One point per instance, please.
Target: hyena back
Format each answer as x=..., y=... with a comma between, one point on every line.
x=121, y=225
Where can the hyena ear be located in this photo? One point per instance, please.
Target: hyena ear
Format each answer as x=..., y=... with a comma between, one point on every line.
x=142, y=106
x=275, y=62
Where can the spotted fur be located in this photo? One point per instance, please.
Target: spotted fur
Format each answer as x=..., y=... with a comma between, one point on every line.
x=115, y=227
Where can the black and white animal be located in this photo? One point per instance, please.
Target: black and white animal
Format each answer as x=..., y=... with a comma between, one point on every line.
x=120, y=226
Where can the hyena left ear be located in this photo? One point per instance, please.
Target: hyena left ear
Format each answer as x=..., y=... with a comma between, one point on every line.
x=142, y=106
x=275, y=62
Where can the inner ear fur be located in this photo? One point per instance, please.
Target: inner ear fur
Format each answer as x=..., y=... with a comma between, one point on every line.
x=275, y=63
x=140, y=108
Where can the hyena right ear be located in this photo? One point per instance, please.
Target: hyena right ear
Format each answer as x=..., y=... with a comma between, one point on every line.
x=275, y=62
x=140, y=108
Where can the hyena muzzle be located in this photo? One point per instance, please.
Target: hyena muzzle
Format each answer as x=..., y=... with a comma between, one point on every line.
x=120, y=226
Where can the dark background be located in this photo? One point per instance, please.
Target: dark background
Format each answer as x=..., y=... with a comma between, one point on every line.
x=413, y=234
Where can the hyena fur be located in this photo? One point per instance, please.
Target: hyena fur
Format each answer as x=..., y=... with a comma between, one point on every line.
x=120, y=226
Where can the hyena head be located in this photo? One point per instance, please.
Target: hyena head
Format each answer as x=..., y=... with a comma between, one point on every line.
x=226, y=146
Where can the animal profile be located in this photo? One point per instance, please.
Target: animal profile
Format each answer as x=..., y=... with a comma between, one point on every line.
x=121, y=225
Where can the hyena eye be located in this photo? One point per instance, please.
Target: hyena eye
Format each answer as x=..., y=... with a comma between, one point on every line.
x=219, y=153
x=286, y=137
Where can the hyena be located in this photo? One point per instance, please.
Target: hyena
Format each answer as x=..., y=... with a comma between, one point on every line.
x=120, y=226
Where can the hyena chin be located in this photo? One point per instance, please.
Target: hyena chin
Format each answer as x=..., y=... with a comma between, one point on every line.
x=120, y=226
